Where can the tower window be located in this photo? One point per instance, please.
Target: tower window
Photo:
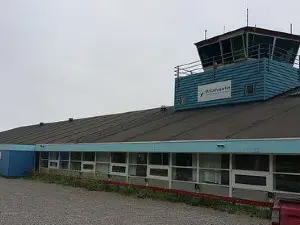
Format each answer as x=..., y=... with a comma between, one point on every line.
x=249, y=90
x=182, y=100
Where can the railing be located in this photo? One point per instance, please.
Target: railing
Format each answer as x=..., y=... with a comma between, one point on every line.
x=240, y=55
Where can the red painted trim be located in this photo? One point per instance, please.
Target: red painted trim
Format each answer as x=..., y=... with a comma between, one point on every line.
x=194, y=194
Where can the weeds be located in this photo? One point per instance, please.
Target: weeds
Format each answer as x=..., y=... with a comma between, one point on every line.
x=97, y=185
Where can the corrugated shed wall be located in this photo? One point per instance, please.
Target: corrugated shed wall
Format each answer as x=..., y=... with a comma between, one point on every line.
x=4, y=162
x=20, y=162
x=240, y=74
x=280, y=78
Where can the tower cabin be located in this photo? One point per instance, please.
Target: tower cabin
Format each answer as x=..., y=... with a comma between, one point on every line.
x=244, y=65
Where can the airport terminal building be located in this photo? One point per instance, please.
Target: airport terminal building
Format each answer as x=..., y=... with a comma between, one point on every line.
x=233, y=132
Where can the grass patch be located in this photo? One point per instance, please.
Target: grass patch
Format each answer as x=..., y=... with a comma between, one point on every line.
x=98, y=185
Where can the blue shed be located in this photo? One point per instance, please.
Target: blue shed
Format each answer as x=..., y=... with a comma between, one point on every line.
x=16, y=160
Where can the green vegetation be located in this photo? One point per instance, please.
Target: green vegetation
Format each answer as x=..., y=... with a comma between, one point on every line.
x=97, y=185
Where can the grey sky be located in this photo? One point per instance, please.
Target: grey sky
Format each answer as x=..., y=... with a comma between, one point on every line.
x=75, y=58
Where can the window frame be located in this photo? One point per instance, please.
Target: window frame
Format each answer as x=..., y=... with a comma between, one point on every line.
x=246, y=89
x=160, y=167
x=267, y=175
x=118, y=173
x=88, y=163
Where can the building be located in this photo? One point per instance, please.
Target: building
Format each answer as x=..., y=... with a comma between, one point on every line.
x=233, y=130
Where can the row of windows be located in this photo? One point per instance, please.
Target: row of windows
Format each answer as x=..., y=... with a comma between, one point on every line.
x=204, y=168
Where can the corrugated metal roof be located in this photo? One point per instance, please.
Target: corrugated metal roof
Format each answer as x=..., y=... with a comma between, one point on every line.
x=276, y=118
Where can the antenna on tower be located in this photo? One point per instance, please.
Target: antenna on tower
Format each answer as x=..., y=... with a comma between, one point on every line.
x=205, y=34
x=247, y=13
x=224, y=30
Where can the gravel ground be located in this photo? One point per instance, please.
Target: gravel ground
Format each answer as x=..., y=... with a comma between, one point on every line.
x=33, y=203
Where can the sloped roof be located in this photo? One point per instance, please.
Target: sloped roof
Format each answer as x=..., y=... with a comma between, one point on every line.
x=242, y=30
x=275, y=118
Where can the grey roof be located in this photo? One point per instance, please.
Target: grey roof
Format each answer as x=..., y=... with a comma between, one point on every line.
x=275, y=118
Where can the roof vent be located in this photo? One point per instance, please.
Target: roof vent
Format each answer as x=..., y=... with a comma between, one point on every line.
x=42, y=124
x=163, y=108
x=71, y=120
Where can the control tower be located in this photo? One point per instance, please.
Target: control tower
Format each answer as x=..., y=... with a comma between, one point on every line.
x=247, y=64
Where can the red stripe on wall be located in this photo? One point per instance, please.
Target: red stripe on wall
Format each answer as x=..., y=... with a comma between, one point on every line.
x=193, y=194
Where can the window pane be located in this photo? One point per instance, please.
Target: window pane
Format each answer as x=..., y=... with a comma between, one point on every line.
x=140, y=171
x=63, y=165
x=64, y=156
x=285, y=50
x=216, y=161
x=53, y=164
x=118, y=157
x=287, y=163
x=159, y=158
x=184, y=174
x=88, y=167
x=289, y=183
x=159, y=172
x=76, y=156
x=208, y=52
x=44, y=155
x=88, y=156
x=251, y=162
x=214, y=177
x=75, y=166
x=184, y=159
x=251, y=180
x=118, y=169
x=103, y=156
x=54, y=155
x=138, y=158
x=102, y=168
x=44, y=163
x=227, y=52
x=238, y=47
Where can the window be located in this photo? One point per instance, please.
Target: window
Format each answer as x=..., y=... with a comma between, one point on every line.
x=102, y=168
x=184, y=174
x=249, y=90
x=53, y=164
x=137, y=170
x=251, y=180
x=159, y=158
x=63, y=165
x=159, y=172
x=288, y=183
x=44, y=155
x=214, y=169
x=238, y=47
x=208, y=52
x=88, y=156
x=184, y=159
x=87, y=167
x=138, y=158
x=54, y=155
x=182, y=100
x=184, y=167
x=103, y=156
x=64, y=156
x=214, y=177
x=118, y=164
x=251, y=162
x=287, y=163
x=75, y=156
x=227, y=51
x=44, y=164
x=118, y=157
x=118, y=169
x=76, y=166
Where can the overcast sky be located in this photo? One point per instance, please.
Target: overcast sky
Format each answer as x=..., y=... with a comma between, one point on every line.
x=81, y=58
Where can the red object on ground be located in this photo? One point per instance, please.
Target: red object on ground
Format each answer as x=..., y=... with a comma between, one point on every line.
x=286, y=211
